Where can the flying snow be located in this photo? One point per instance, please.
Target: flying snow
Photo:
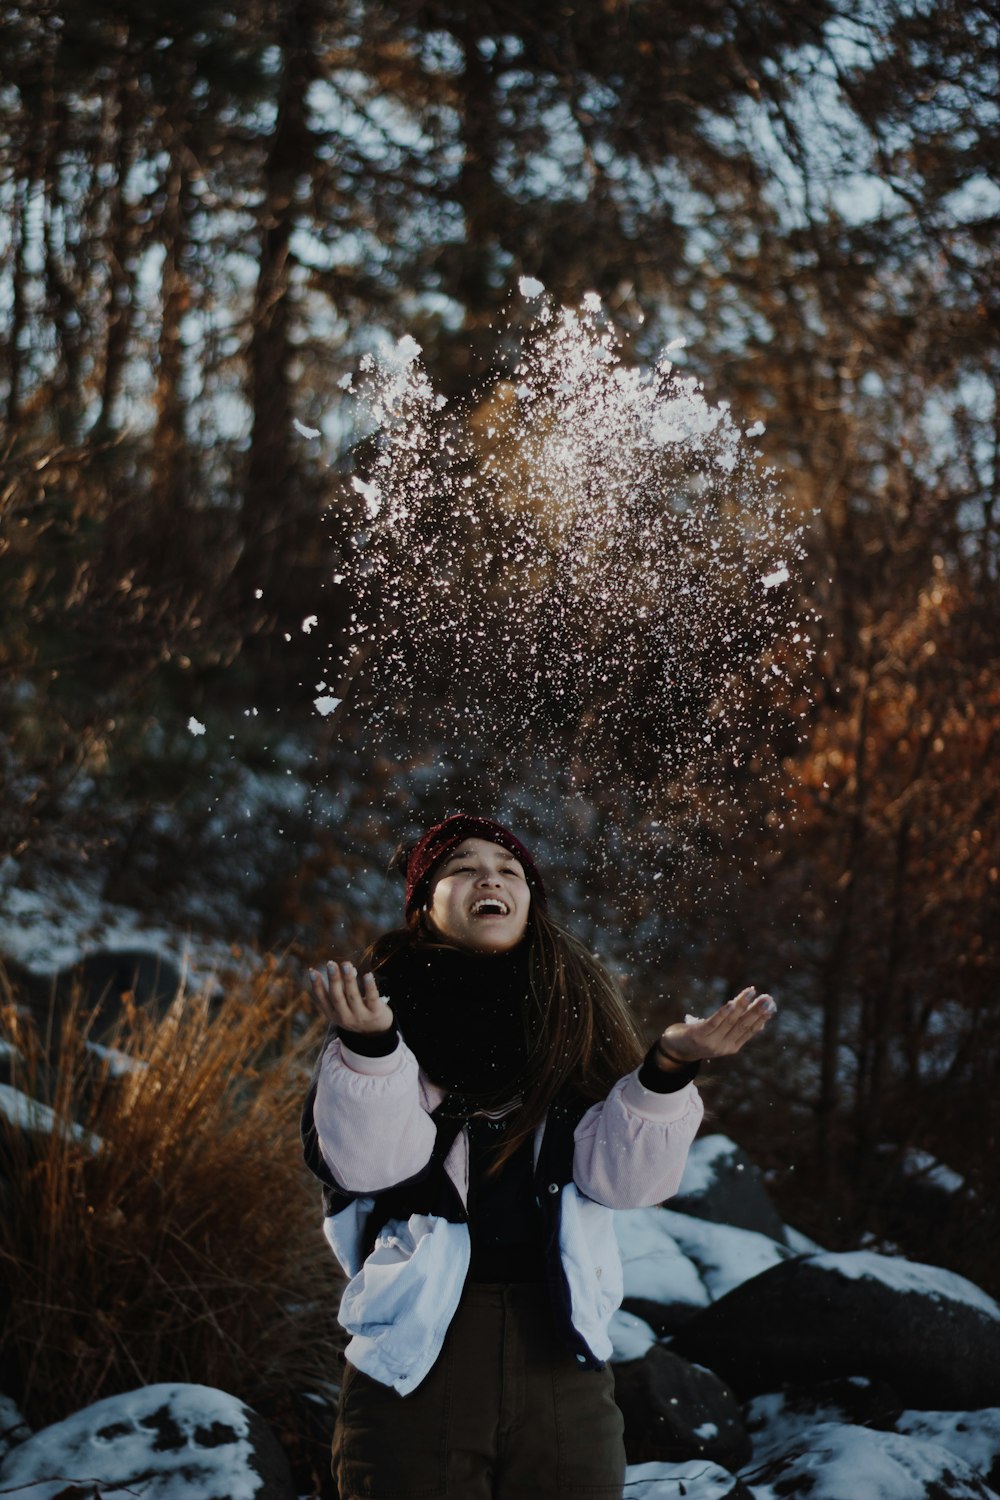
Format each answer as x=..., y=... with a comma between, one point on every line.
x=581, y=560
x=326, y=705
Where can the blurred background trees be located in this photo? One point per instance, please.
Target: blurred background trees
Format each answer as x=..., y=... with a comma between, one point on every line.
x=209, y=213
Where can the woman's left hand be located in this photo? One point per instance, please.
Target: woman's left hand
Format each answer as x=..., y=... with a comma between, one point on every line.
x=730, y=1028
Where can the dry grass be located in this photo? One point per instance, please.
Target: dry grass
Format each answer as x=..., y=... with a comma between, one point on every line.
x=187, y=1245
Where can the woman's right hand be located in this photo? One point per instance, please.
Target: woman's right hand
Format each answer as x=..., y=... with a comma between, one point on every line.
x=346, y=1002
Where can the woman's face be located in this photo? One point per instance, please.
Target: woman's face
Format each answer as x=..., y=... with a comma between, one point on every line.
x=480, y=898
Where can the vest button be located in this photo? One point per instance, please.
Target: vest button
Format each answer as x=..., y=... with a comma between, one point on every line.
x=553, y=1187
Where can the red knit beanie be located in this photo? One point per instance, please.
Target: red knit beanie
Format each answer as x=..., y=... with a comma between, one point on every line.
x=438, y=842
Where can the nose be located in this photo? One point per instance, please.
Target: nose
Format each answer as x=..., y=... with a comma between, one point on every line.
x=487, y=877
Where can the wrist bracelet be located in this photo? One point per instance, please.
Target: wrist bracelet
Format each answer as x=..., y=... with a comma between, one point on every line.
x=678, y=1062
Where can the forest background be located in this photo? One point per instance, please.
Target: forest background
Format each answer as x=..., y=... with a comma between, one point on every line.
x=210, y=213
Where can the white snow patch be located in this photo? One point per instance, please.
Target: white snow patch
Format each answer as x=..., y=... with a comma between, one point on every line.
x=52, y=924
x=13, y=1428
x=119, y=1063
x=630, y=1336
x=303, y=430
x=111, y=1443
x=707, y=1155
x=920, y=1166
x=777, y=1427
x=771, y=580
x=844, y=1460
x=31, y=1114
x=530, y=287
x=695, y=1478
x=973, y=1435
x=724, y=1255
x=801, y=1243
x=195, y=726
x=309, y=624
x=907, y=1276
x=653, y=1264
x=326, y=705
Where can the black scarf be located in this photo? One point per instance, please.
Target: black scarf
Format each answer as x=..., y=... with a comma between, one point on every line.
x=465, y=1016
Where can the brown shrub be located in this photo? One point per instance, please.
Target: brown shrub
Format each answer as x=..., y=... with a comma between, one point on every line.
x=164, y=1227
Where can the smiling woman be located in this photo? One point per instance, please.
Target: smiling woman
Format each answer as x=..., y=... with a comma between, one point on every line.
x=469, y=1173
x=480, y=898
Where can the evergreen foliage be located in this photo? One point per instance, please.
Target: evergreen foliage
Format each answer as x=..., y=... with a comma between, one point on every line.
x=207, y=213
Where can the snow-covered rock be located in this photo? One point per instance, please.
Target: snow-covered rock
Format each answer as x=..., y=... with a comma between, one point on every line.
x=722, y=1184
x=932, y=1335
x=661, y=1284
x=13, y=1428
x=723, y=1255
x=630, y=1336
x=781, y=1422
x=973, y=1435
x=675, y=1411
x=99, y=980
x=165, y=1442
x=680, y=1263
x=36, y=1118
x=856, y=1463
x=694, y=1481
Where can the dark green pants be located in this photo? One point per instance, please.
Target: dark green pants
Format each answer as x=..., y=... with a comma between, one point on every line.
x=507, y=1413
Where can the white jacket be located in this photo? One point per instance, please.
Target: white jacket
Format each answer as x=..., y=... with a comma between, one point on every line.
x=371, y=1118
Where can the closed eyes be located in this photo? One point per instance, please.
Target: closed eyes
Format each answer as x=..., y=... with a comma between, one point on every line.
x=470, y=870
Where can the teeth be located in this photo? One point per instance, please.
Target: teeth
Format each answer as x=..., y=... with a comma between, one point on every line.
x=490, y=905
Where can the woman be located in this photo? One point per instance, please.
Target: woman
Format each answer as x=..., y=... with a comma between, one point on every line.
x=480, y=1107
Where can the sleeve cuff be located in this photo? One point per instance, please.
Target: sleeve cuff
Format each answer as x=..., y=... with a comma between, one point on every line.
x=659, y=1081
x=373, y=1052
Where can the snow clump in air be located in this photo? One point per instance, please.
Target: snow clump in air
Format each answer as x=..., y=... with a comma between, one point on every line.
x=586, y=547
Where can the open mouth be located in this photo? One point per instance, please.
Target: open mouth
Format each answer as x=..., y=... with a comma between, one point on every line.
x=491, y=906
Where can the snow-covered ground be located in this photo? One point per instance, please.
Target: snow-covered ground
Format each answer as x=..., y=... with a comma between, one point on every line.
x=53, y=922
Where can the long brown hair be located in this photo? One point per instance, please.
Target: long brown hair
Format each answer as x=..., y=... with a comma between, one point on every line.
x=582, y=1034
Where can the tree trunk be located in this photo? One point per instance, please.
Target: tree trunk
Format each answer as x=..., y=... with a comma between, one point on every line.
x=121, y=236
x=169, y=445
x=271, y=493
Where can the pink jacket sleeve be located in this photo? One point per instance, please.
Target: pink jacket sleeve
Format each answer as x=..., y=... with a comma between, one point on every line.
x=631, y=1149
x=372, y=1127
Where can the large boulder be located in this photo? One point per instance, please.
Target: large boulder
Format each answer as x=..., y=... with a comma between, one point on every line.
x=722, y=1184
x=675, y=1411
x=931, y=1335
x=160, y=1441
x=856, y=1463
